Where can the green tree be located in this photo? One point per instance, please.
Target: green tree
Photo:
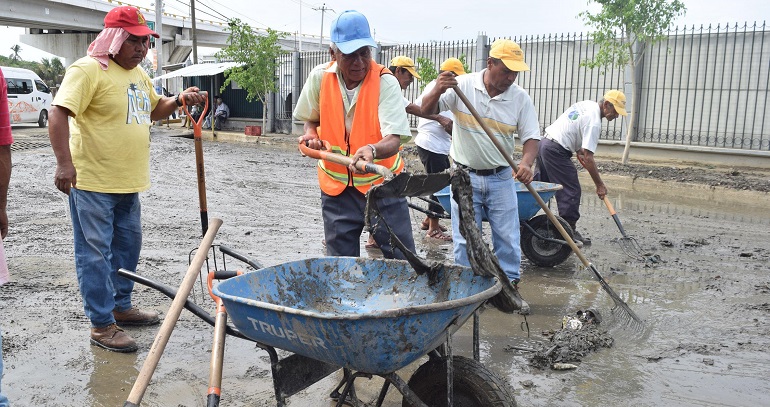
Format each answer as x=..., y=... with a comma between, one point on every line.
x=50, y=71
x=146, y=64
x=427, y=71
x=258, y=56
x=57, y=71
x=466, y=68
x=15, y=55
x=640, y=23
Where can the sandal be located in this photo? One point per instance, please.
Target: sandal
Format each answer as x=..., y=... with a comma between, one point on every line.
x=439, y=235
x=425, y=226
x=371, y=244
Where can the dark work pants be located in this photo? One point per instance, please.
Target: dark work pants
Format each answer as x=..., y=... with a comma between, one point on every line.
x=433, y=163
x=555, y=165
x=343, y=217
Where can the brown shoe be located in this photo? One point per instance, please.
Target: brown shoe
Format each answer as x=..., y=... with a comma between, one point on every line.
x=136, y=317
x=113, y=338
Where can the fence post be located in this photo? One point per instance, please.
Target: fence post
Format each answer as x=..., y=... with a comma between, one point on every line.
x=296, y=85
x=377, y=53
x=482, y=53
x=636, y=103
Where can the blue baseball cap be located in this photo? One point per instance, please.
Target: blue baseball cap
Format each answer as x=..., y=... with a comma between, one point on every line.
x=350, y=31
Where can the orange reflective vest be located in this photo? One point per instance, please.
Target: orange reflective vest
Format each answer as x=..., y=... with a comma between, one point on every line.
x=334, y=178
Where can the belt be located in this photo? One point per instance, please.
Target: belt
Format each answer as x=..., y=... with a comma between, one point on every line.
x=482, y=172
x=551, y=139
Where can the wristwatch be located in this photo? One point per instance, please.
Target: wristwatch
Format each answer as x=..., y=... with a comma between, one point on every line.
x=374, y=150
x=178, y=102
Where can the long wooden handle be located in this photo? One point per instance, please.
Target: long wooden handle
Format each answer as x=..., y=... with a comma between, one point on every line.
x=172, y=316
x=217, y=356
x=345, y=160
x=615, y=216
x=513, y=165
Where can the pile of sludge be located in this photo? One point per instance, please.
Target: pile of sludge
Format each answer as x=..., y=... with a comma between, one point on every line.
x=579, y=336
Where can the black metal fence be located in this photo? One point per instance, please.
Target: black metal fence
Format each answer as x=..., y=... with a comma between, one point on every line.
x=708, y=86
x=704, y=86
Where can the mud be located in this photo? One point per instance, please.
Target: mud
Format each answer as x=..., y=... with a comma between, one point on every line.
x=705, y=304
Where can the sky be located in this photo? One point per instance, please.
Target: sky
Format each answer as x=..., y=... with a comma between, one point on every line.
x=420, y=21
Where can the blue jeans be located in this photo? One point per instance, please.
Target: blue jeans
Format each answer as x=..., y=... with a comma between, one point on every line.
x=495, y=195
x=108, y=236
x=3, y=400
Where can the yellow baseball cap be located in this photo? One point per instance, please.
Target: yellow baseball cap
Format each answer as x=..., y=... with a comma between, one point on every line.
x=510, y=53
x=618, y=100
x=454, y=65
x=406, y=63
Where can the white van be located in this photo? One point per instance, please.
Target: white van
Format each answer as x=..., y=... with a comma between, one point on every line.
x=29, y=99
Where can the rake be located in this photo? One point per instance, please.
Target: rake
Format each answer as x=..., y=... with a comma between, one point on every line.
x=629, y=245
x=626, y=313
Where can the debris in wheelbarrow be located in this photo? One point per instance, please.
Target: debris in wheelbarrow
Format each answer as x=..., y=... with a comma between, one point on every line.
x=580, y=334
x=370, y=315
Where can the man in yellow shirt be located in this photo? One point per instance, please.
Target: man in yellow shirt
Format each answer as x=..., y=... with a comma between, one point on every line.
x=102, y=163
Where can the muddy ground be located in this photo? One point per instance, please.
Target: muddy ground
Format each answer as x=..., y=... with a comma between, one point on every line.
x=706, y=306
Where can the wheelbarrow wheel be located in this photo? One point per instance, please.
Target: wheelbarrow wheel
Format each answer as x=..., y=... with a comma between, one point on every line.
x=474, y=385
x=542, y=252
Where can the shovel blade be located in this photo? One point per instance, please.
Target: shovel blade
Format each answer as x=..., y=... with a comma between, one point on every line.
x=409, y=185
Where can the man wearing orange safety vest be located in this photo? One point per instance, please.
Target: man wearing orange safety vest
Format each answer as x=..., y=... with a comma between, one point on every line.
x=356, y=106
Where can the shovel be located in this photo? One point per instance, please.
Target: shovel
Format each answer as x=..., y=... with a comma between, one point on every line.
x=172, y=316
x=197, y=133
x=404, y=184
x=625, y=310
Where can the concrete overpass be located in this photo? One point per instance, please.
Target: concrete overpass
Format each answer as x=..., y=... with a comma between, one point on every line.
x=67, y=28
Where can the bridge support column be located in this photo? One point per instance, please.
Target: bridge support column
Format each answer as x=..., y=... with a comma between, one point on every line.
x=69, y=46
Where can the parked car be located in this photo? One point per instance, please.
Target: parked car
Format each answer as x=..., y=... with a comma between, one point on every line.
x=29, y=99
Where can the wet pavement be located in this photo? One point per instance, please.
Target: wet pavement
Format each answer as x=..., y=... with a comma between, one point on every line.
x=706, y=305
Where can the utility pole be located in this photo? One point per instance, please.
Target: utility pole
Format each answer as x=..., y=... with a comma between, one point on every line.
x=323, y=11
x=159, y=41
x=194, y=36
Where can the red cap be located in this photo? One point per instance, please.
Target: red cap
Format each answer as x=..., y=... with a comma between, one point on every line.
x=130, y=19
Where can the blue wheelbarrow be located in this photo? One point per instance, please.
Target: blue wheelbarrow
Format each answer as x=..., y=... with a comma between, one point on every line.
x=541, y=242
x=365, y=316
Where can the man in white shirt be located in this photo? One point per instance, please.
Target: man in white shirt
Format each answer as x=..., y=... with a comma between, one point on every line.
x=434, y=136
x=576, y=131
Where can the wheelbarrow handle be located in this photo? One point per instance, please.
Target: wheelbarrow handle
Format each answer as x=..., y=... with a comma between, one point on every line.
x=327, y=155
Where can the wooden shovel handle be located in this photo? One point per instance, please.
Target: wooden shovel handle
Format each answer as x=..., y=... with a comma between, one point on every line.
x=615, y=217
x=327, y=155
x=161, y=339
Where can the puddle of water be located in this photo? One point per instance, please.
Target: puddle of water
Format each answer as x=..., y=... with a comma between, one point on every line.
x=690, y=352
